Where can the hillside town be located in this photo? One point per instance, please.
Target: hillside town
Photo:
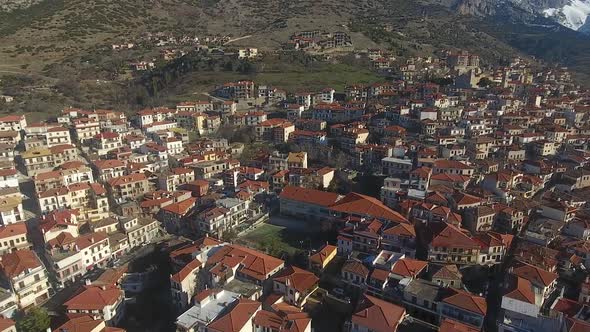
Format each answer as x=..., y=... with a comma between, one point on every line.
x=411, y=204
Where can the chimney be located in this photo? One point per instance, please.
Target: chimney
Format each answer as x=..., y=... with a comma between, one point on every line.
x=87, y=282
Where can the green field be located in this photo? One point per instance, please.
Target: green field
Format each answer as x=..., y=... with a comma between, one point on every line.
x=275, y=238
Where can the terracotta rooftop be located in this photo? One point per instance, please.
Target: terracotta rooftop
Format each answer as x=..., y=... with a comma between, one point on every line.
x=359, y=204
x=252, y=263
x=466, y=301
x=408, y=267
x=449, y=236
x=355, y=267
x=299, y=279
x=449, y=325
x=17, y=262
x=94, y=298
x=378, y=315
x=236, y=317
x=191, y=267
x=533, y=274
x=312, y=196
x=520, y=289
x=323, y=254
x=11, y=230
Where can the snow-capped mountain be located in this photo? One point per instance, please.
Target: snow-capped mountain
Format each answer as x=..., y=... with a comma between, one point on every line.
x=569, y=13
x=573, y=15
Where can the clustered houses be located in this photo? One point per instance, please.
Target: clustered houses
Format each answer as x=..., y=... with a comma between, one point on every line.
x=479, y=180
x=219, y=287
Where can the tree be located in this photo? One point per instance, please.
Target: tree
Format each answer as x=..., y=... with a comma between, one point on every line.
x=36, y=320
x=484, y=82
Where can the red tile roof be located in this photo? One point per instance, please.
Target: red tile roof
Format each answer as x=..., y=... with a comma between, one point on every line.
x=15, y=263
x=311, y=196
x=238, y=315
x=401, y=229
x=449, y=325
x=467, y=301
x=192, y=266
x=533, y=274
x=378, y=315
x=282, y=321
x=181, y=208
x=355, y=267
x=300, y=279
x=106, y=164
x=358, y=204
x=408, y=267
x=323, y=254
x=521, y=289
x=11, y=230
x=445, y=164
x=449, y=236
x=6, y=323
x=83, y=323
x=135, y=177
x=90, y=239
x=94, y=298
x=253, y=263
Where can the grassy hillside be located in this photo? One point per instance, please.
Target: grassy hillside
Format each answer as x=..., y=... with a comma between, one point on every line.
x=68, y=39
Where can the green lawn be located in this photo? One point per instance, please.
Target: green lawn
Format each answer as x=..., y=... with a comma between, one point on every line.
x=270, y=236
x=276, y=240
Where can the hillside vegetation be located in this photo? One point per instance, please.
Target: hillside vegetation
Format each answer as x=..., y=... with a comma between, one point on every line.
x=53, y=36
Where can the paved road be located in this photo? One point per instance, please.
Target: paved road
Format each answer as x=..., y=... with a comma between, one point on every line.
x=236, y=39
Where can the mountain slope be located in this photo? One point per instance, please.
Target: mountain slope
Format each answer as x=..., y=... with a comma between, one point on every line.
x=54, y=30
x=569, y=13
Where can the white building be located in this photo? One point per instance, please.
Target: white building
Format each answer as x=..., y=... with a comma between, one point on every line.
x=27, y=276
x=101, y=302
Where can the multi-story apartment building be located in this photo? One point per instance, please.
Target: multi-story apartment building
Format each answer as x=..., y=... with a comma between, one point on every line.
x=140, y=231
x=183, y=284
x=105, y=142
x=170, y=180
x=13, y=237
x=24, y=273
x=101, y=302
x=37, y=160
x=400, y=238
x=8, y=177
x=90, y=200
x=109, y=169
x=397, y=167
x=62, y=178
x=237, y=90
x=225, y=216
x=13, y=123
x=11, y=207
x=128, y=187
x=450, y=245
x=295, y=285
x=95, y=249
x=85, y=129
